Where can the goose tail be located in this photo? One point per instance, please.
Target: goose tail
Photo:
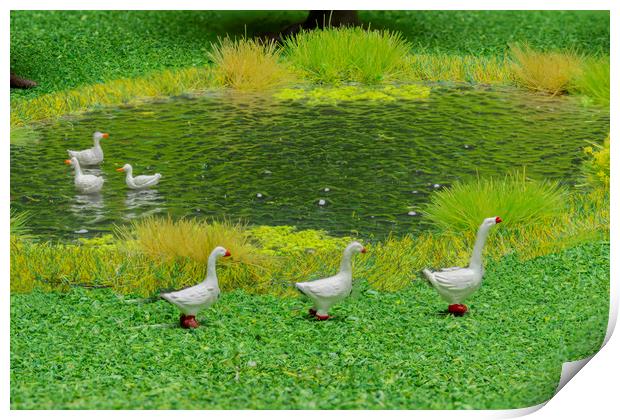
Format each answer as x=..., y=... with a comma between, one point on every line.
x=300, y=288
x=429, y=275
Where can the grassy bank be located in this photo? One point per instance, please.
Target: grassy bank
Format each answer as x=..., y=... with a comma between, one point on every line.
x=67, y=49
x=540, y=219
x=108, y=58
x=270, y=259
x=383, y=350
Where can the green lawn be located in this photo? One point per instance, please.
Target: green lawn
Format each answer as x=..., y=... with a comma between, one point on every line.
x=66, y=49
x=87, y=349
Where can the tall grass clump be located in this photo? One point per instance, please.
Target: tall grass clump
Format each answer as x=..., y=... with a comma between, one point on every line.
x=169, y=239
x=517, y=199
x=549, y=72
x=348, y=54
x=114, y=92
x=248, y=64
x=594, y=80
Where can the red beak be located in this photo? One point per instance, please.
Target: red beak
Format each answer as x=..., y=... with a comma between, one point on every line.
x=498, y=219
x=363, y=251
x=105, y=135
x=227, y=253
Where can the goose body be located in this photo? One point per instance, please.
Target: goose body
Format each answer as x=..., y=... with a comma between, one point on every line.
x=85, y=183
x=328, y=291
x=92, y=156
x=138, y=182
x=455, y=284
x=192, y=300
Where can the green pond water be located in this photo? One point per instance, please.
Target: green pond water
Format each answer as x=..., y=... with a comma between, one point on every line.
x=269, y=161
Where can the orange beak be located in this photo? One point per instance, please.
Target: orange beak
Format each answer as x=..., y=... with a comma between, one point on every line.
x=227, y=253
x=363, y=251
x=120, y=170
x=105, y=135
x=67, y=161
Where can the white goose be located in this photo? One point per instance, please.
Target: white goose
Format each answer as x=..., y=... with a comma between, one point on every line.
x=92, y=156
x=87, y=184
x=193, y=299
x=139, y=182
x=326, y=292
x=455, y=284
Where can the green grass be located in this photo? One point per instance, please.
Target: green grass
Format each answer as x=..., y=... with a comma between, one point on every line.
x=488, y=32
x=66, y=49
x=594, y=81
x=515, y=198
x=86, y=349
x=348, y=55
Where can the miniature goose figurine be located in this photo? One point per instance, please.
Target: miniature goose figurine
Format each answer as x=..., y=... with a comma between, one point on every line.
x=86, y=184
x=92, y=156
x=455, y=284
x=326, y=292
x=139, y=182
x=192, y=300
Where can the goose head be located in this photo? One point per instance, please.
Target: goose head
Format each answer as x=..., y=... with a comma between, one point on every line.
x=73, y=162
x=98, y=135
x=126, y=168
x=356, y=247
x=220, y=251
x=491, y=221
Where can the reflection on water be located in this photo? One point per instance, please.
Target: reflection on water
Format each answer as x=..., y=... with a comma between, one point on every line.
x=141, y=203
x=89, y=208
x=355, y=168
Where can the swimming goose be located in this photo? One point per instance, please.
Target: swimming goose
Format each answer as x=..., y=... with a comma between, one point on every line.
x=326, y=292
x=455, y=284
x=92, y=156
x=139, y=182
x=193, y=299
x=86, y=184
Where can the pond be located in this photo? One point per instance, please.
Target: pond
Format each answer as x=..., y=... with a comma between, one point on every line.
x=363, y=168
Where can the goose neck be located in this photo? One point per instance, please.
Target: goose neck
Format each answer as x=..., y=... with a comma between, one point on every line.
x=211, y=271
x=476, y=256
x=78, y=169
x=345, y=263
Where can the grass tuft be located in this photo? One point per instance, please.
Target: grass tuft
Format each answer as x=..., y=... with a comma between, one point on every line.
x=594, y=80
x=456, y=68
x=515, y=198
x=248, y=64
x=348, y=54
x=169, y=239
x=549, y=72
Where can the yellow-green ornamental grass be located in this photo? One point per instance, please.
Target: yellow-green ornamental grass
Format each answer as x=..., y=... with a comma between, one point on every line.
x=549, y=72
x=248, y=64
